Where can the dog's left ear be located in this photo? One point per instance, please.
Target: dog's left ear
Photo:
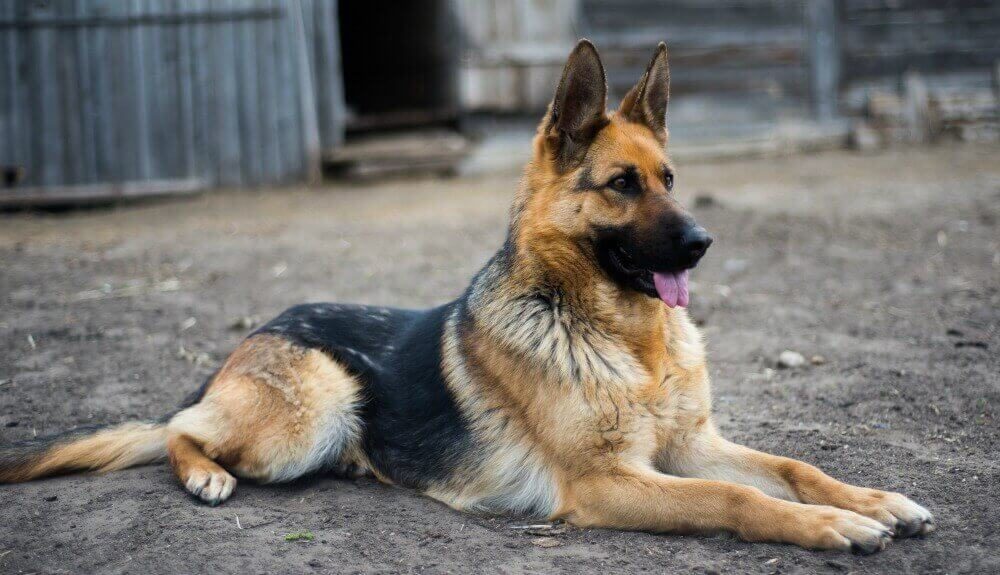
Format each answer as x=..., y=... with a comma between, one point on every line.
x=646, y=102
x=577, y=112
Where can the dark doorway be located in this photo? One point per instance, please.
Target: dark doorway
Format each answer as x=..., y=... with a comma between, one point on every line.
x=399, y=64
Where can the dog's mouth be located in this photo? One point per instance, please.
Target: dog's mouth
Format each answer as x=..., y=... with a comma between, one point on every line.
x=670, y=286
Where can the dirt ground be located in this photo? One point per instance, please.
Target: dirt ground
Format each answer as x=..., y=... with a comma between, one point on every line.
x=886, y=265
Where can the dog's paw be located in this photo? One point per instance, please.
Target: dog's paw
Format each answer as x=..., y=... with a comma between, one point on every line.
x=834, y=528
x=212, y=487
x=895, y=511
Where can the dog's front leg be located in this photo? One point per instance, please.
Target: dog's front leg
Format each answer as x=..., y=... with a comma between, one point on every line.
x=706, y=454
x=645, y=500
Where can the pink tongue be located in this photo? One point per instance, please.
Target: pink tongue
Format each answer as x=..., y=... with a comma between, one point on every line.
x=672, y=288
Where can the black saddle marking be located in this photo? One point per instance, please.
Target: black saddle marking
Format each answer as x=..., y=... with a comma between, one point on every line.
x=414, y=432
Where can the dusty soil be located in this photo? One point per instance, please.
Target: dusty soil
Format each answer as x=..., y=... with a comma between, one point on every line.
x=887, y=266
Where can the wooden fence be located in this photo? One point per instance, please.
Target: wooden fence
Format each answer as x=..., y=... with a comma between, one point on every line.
x=140, y=95
x=890, y=37
x=223, y=92
x=514, y=51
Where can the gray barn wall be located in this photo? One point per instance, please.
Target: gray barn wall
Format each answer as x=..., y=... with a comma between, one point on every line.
x=795, y=52
x=728, y=46
x=109, y=91
x=513, y=51
x=229, y=93
x=889, y=37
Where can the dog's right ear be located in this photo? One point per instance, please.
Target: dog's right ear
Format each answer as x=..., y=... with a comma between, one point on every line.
x=646, y=103
x=577, y=112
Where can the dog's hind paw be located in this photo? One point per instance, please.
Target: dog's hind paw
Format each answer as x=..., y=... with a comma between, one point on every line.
x=212, y=487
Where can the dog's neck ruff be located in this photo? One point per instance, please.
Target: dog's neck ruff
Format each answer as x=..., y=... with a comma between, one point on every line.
x=547, y=327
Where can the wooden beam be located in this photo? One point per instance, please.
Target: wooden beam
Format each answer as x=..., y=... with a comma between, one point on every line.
x=165, y=18
x=47, y=196
x=824, y=56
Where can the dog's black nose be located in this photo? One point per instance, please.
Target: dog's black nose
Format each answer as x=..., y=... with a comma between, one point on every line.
x=695, y=242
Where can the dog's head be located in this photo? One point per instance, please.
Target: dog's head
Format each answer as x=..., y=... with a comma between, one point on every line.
x=601, y=183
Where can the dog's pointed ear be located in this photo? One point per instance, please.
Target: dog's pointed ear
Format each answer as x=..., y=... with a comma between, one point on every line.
x=646, y=102
x=577, y=112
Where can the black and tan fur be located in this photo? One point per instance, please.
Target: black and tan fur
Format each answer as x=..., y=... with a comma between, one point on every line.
x=554, y=386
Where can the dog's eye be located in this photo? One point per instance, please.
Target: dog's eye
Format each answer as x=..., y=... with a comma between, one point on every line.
x=669, y=180
x=624, y=183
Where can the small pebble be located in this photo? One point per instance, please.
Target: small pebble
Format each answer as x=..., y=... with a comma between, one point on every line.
x=51, y=497
x=546, y=542
x=790, y=359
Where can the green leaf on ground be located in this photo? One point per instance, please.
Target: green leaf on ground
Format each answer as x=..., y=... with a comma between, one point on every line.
x=300, y=536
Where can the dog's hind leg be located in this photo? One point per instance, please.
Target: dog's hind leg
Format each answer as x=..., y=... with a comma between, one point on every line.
x=201, y=476
x=275, y=412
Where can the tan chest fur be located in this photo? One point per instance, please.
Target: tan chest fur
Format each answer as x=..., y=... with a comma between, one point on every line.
x=607, y=423
x=589, y=400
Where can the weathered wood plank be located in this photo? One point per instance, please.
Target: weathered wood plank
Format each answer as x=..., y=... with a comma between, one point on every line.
x=104, y=113
x=160, y=140
x=203, y=95
x=139, y=43
x=224, y=46
x=268, y=99
x=125, y=150
x=84, y=60
x=214, y=85
x=307, y=95
x=824, y=57
x=69, y=95
x=168, y=136
x=96, y=193
x=185, y=96
x=8, y=130
x=330, y=90
x=47, y=153
x=629, y=14
x=249, y=111
x=125, y=20
x=287, y=106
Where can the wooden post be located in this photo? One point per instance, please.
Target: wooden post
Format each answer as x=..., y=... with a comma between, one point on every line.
x=329, y=76
x=996, y=80
x=824, y=56
x=916, y=108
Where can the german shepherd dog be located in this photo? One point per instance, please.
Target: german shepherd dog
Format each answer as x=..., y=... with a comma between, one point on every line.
x=567, y=382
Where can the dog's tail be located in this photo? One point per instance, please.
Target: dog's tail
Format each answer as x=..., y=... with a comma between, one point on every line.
x=97, y=449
